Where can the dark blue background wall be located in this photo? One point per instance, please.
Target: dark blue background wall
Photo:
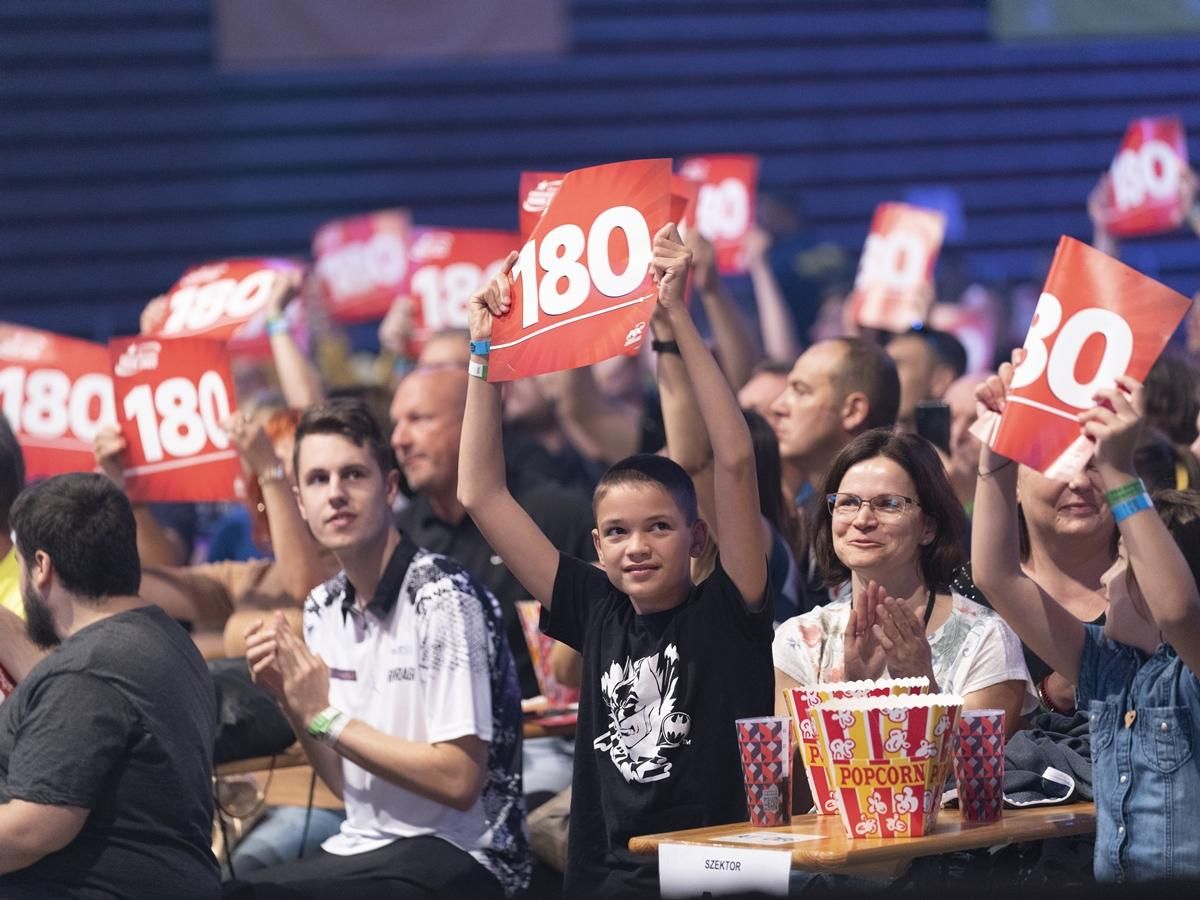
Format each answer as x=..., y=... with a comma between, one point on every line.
x=125, y=156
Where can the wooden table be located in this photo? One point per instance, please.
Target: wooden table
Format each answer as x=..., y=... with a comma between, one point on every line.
x=890, y=857
x=286, y=781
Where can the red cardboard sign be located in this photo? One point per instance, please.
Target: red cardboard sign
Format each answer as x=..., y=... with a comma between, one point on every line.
x=893, y=287
x=1096, y=319
x=582, y=291
x=534, y=194
x=447, y=266
x=1144, y=179
x=171, y=396
x=362, y=264
x=725, y=204
x=218, y=300
x=57, y=393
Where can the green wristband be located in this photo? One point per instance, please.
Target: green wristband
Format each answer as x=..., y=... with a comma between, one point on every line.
x=1124, y=492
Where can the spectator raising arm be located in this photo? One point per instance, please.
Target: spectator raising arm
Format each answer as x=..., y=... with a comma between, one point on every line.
x=774, y=318
x=732, y=334
x=735, y=485
x=1038, y=619
x=298, y=377
x=1164, y=578
x=482, y=485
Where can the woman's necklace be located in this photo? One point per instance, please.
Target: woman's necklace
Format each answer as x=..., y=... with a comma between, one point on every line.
x=929, y=607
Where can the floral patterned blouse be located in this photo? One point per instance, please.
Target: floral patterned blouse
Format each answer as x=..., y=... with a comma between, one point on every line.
x=972, y=650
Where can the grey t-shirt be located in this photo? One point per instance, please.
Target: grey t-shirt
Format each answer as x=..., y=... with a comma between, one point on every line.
x=119, y=720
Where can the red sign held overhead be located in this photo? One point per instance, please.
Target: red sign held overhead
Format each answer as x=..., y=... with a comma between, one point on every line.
x=219, y=300
x=724, y=211
x=582, y=291
x=172, y=395
x=57, y=394
x=1096, y=319
x=447, y=266
x=894, y=285
x=685, y=194
x=1143, y=192
x=362, y=264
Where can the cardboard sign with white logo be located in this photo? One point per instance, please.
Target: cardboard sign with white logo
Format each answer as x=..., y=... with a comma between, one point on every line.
x=725, y=204
x=690, y=870
x=217, y=300
x=448, y=265
x=1143, y=195
x=362, y=264
x=893, y=287
x=534, y=194
x=57, y=394
x=171, y=396
x=582, y=290
x=1096, y=319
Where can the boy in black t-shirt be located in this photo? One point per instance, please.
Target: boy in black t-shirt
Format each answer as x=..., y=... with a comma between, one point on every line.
x=667, y=665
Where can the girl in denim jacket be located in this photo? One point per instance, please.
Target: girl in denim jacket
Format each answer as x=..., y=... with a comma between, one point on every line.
x=1136, y=673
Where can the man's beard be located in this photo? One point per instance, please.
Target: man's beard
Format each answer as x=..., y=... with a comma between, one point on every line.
x=39, y=621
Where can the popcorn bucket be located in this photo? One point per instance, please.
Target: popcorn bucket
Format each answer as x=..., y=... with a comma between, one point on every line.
x=802, y=701
x=765, y=750
x=888, y=759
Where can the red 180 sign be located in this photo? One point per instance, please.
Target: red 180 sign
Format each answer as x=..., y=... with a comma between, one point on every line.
x=1144, y=179
x=362, y=264
x=56, y=393
x=1095, y=320
x=172, y=395
x=581, y=284
x=892, y=289
x=724, y=209
x=448, y=266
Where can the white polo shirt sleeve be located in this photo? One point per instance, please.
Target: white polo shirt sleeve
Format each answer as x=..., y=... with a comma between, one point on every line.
x=453, y=666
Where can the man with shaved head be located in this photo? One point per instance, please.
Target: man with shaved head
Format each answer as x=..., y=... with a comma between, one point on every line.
x=837, y=389
x=427, y=413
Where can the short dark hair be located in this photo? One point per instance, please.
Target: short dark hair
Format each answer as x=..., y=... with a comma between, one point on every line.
x=947, y=350
x=85, y=524
x=916, y=456
x=12, y=471
x=867, y=368
x=352, y=419
x=1170, y=397
x=648, y=468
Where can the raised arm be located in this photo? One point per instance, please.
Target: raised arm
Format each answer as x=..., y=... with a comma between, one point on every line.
x=1038, y=619
x=735, y=484
x=1098, y=211
x=298, y=377
x=599, y=427
x=482, y=483
x=735, y=346
x=775, y=321
x=296, y=553
x=1164, y=578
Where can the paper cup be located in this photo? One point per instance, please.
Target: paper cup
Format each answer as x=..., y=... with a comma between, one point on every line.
x=979, y=764
x=765, y=750
x=888, y=759
x=802, y=701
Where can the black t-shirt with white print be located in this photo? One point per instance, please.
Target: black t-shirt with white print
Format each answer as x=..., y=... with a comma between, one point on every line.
x=656, y=747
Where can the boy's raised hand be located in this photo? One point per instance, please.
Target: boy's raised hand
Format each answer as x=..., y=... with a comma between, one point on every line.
x=1116, y=423
x=670, y=265
x=493, y=299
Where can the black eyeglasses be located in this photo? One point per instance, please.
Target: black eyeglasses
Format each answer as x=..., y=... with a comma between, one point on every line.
x=884, y=506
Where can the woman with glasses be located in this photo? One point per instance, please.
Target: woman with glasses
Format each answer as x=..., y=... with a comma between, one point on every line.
x=889, y=537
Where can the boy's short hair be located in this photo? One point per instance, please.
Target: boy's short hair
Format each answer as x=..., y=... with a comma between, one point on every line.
x=647, y=468
x=352, y=419
x=85, y=524
x=1180, y=512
